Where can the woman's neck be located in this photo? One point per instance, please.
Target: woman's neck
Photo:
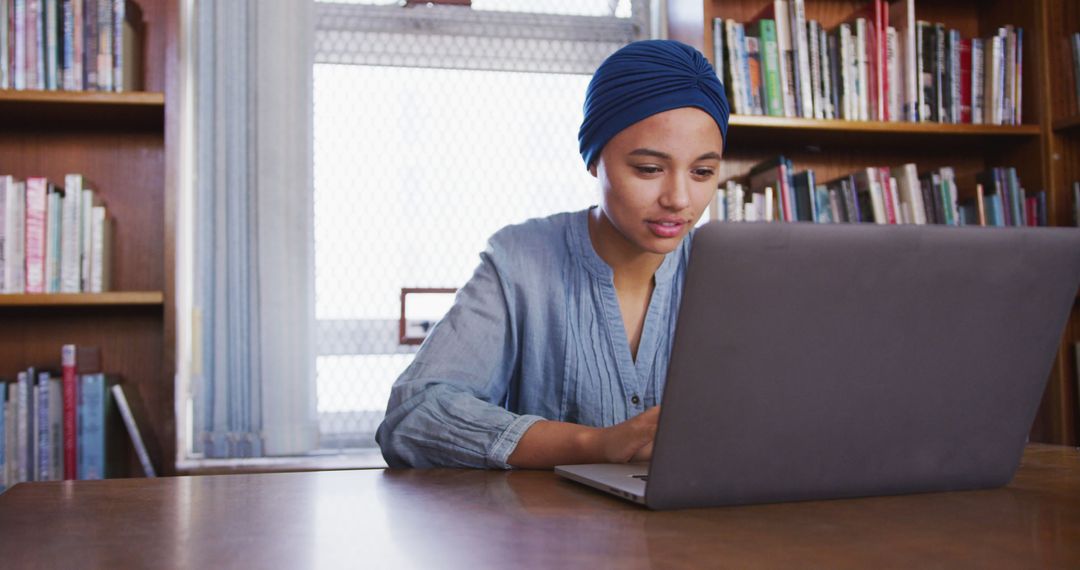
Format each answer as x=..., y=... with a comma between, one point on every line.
x=631, y=266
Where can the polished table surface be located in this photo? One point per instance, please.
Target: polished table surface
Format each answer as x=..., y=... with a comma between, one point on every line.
x=488, y=519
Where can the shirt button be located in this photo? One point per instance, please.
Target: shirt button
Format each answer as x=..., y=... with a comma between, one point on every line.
x=635, y=400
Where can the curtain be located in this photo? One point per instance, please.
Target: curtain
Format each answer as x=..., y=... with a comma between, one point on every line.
x=253, y=383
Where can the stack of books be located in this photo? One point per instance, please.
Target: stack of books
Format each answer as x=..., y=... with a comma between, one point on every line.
x=880, y=65
x=70, y=45
x=776, y=191
x=67, y=425
x=53, y=240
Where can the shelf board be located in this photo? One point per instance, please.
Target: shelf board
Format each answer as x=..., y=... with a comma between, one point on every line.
x=813, y=132
x=115, y=299
x=1067, y=123
x=67, y=109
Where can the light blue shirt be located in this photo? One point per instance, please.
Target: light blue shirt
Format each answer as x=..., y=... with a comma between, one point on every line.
x=535, y=334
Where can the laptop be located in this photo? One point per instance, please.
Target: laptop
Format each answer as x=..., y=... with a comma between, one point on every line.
x=834, y=361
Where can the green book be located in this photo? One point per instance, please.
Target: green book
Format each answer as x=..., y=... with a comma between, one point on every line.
x=771, y=95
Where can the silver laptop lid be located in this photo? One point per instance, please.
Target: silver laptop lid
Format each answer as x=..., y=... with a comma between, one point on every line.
x=827, y=361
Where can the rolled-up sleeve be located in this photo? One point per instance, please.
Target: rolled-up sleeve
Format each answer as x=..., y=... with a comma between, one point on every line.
x=446, y=409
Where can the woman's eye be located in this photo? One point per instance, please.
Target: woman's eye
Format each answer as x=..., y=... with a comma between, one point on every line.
x=704, y=172
x=648, y=169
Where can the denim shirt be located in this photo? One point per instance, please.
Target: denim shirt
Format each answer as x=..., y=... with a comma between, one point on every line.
x=536, y=333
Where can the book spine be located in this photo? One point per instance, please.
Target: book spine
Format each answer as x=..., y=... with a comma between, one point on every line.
x=5, y=54
x=118, y=61
x=774, y=95
x=978, y=80
x=939, y=71
x=70, y=384
x=798, y=37
x=91, y=427
x=956, y=77
x=734, y=83
x=67, y=61
x=90, y=45
x=44, y=454
x=133, y=430
x=10, y=426
x=70, y=234
x=52, y=243
x=19, y=52
x=926, y=71
x=1019, y=97
x=37, y=191
x=50, y=44
x=718, y=47
x=33, y=48
x=815, y=69
x=846, y=66
x=23, y=427
x=828, y=78
x=85, y=210
x=56, y=436
x=78, y=42
x=99, y=266
x=105, y=43
x=4, y=412
x=862, y=85
x=787, y=57
x=893, y=78
x=947, y=79
x=5, y=183
x=965, y=81
x=753, y=62
x=14, y=242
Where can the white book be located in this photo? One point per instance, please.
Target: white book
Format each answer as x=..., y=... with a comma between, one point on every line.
x=814, y=42
x=5, y=44
x=126, y=413
x=911, y=190
x=101, y=239
x=719, y=204
x=734, y=66
x=5, y=181
x=862, y=56
x=70, y=234
x=783, y=46
x=770, y=204
x=15, y=233
x=37, y=200
x=22, y=428
x=52, y=245
x=895, y=94
x=802, y=47
x=847, y=71
x=902, y=16
x=85, y=212
x=826, y=75
x=718, y=47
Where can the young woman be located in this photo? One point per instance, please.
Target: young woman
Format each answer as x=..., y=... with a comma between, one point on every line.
x=556, y=350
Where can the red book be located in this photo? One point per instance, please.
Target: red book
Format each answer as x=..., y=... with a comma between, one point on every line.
x=74, y=361
x=1031, y=212
x=891, y=208
x=37, y=193
x=965, y=81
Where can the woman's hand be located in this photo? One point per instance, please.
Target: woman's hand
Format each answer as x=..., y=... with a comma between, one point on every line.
x=547, y=443
x=631, y=440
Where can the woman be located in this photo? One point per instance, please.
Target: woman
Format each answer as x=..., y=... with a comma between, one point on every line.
x=556, y=350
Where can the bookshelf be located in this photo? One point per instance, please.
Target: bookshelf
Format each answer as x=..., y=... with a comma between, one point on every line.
x=120, y=142
x=1045, y=148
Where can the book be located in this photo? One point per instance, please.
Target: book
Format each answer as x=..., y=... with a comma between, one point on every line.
x=3, y=433
x=771, y=94
x=100, y=259
x=52, y=242
x=100, y=439
x=5, y=181
x=75, y=360
x=14, y=238
x=131, y=411
x=902, y=16
x=5, y=54
x=71, y=235
x=37, y=199
x=779, y=13
x=801, y=49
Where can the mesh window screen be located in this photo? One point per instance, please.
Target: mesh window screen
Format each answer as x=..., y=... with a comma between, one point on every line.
x=434, y=127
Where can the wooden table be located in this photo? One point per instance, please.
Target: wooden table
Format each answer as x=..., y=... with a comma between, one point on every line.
x=487, y=519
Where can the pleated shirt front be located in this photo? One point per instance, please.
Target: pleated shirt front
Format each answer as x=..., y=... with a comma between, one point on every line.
x=536, y=333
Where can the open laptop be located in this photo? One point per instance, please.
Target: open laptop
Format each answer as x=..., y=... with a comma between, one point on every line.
x=830, y=361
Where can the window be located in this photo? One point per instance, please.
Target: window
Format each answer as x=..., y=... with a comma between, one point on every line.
x=433, y=128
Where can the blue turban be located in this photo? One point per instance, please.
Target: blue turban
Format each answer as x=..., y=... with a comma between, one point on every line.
x=645, y=78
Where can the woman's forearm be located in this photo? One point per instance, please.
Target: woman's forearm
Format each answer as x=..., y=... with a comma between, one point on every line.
x=547, y=444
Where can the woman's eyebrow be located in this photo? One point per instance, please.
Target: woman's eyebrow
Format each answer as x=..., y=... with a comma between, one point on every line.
x=666, y=156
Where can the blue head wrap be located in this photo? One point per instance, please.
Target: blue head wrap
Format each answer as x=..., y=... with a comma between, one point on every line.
x=645, y=78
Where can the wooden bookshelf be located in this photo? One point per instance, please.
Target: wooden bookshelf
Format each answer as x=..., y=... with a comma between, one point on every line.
x=64, y=109
x=114, y=299
x=1050, y=117
x=119, y=142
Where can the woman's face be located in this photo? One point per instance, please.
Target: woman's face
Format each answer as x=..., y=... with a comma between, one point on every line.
x=657, y=177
